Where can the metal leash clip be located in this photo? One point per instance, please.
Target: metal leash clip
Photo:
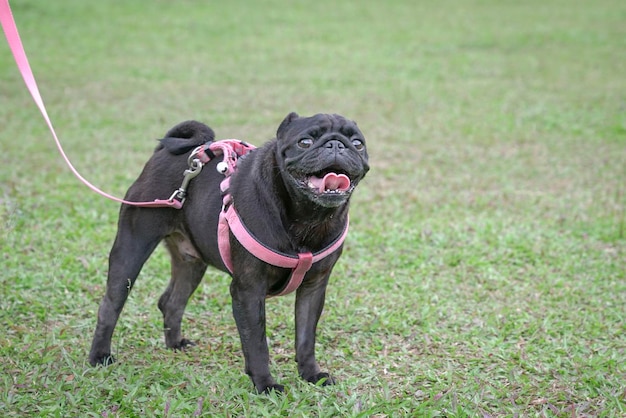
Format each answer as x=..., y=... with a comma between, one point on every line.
x=195, y=166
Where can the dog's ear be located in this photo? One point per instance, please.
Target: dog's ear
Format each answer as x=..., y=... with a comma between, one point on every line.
x=283, y=125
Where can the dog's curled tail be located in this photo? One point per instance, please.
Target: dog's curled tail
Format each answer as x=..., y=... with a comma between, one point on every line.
x=186, y=136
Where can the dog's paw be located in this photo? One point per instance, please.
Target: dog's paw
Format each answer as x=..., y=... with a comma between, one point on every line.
x=183, y=345
x=104, y=360
x=321, y=379
x=272, y=388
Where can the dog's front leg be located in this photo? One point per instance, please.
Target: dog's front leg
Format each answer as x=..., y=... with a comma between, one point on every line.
x=310, y=299
x=249, y=312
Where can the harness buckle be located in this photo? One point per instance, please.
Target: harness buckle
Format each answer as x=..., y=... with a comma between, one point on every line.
x=201, y=155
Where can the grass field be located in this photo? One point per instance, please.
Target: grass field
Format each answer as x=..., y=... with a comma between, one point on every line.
x=485, y=271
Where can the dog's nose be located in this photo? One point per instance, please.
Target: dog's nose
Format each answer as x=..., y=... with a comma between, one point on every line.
x=335, y=144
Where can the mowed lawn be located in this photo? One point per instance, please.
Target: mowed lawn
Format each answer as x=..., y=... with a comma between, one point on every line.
x=485, y=269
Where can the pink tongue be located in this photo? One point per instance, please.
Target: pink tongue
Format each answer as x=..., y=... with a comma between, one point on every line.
x=331, y=181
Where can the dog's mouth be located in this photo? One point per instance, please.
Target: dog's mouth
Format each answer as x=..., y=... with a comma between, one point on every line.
x=330, y=186
x=328, y=182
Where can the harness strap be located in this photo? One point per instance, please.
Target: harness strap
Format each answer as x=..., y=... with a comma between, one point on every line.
x=230, y=221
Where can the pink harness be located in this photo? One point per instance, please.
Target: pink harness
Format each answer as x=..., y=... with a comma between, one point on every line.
x=230, y=221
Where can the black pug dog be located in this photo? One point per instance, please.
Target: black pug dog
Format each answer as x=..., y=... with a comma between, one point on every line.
x=292, y=194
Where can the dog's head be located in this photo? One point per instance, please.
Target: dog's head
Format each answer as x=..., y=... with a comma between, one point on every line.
x=322, y=157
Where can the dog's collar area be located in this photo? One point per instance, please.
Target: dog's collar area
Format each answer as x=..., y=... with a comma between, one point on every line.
x=230, y=222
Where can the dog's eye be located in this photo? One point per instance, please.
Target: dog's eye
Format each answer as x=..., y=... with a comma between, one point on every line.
x=305, y=143
x=358, y=144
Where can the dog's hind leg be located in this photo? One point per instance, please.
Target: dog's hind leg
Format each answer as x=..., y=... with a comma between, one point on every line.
x=187, y=272
x=134, y=243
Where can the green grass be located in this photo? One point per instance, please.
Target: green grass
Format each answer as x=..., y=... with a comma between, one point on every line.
x=485, y=270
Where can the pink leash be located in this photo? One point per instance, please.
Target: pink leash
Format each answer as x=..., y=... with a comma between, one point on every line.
x=229, y=219
x=15, y=43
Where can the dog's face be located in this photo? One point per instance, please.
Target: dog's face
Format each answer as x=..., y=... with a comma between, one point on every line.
x=322, y=157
